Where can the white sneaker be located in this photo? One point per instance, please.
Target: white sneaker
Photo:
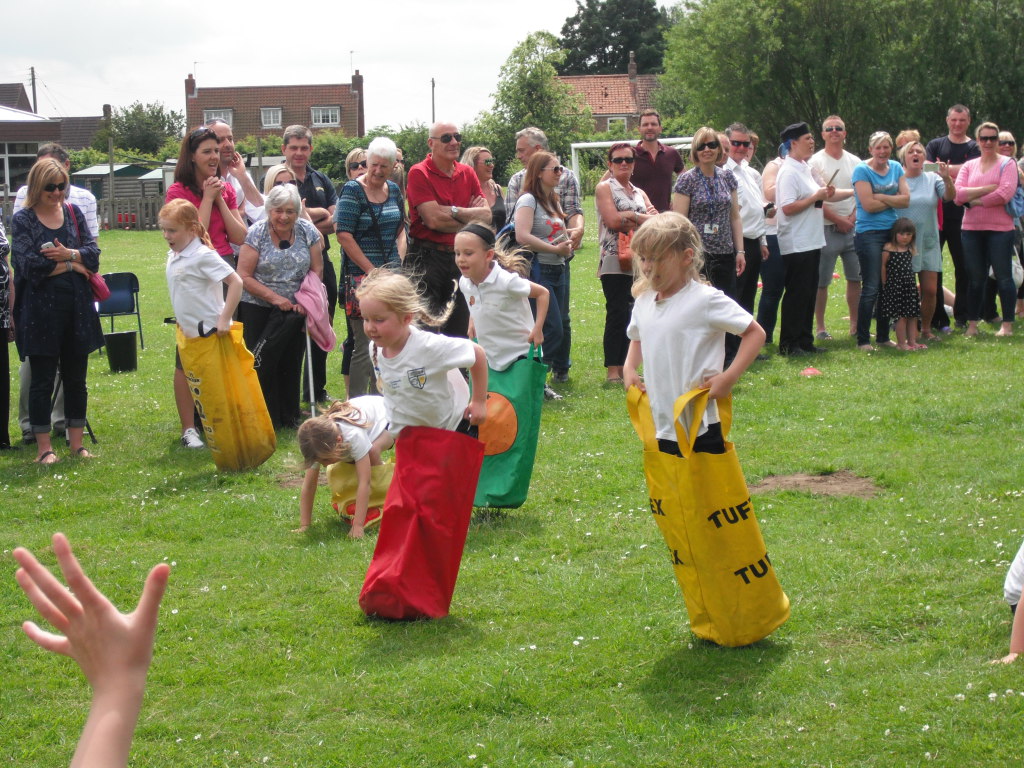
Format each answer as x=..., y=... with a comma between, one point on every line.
x=190, y=438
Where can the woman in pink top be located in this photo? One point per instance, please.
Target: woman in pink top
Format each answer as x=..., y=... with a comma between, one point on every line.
x=984, y=186
x=196, y=180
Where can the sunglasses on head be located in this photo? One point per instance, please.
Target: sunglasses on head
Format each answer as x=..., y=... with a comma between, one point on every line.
x=988, y=138
x=52, y=187
x=355, y=165
x=736, y=143
x=708, y=145
x=1007, y=143
x=282, y=183
x=627, y=160
x=444, y=138
x=833, y=128
x=555, y=168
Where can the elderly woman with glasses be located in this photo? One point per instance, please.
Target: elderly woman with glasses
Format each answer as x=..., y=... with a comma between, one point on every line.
x=621, y=208
x=196, y=180
x=277, y=255
x=370, y=224
x=481, y=160
x=984, y=185
x=56, y=322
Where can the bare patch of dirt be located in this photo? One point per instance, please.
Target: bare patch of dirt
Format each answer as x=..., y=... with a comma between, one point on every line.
x=295, y=480
x=841, y=483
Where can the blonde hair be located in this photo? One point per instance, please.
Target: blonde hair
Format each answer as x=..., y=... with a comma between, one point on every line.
x=399, y=294
x=983, y=126
x=907, y=136
x=318, y=436
x=878, y=137
x=186, y=216
x=272, y=173
x=664, y=236
x=45, y=171
x=701, y=136
x=905, y=149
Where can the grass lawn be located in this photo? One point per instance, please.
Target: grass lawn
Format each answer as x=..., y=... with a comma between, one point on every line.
x=568, y=642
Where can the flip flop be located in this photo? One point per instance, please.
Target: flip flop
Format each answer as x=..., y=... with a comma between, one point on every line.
x=83, y=453
x=41, y=459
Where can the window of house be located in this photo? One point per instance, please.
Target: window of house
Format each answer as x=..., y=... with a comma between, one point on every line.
x=227, y=115
x=325, y=116
x=617, y=124
x=270, y=117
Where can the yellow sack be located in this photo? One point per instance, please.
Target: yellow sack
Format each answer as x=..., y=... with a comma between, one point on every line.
x=342, y=479
x=228, y=397
x=702, y=506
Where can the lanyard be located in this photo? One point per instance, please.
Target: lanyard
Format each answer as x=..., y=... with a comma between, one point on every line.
x=709, y=188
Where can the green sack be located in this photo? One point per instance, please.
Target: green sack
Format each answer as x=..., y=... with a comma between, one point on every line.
x=509, y=434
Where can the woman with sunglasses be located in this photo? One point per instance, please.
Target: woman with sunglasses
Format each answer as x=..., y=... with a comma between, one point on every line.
x=984, y=186
x=481, y=160
x=706, y=195
x=196, y=180
x=56, y=324
x=621, y=208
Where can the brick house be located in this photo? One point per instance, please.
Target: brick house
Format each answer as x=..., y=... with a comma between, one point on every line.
x=266, y=110
x=615, y=100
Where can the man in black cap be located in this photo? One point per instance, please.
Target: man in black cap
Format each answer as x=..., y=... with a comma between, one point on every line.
x=800, y=197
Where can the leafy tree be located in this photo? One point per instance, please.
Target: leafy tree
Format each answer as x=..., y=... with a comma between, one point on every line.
x=142, y=127
x=529, y=93
x=600, y=35
x=876, y=64
x=85, y=158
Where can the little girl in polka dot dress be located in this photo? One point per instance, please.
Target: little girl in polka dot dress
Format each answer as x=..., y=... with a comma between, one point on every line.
x=900, y=298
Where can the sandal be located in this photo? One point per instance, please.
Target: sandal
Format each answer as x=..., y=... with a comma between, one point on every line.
x=83, y=453
x=42, y=458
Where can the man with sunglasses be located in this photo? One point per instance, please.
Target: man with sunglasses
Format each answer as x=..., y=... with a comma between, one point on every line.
x=86, y=202
x=752, y=211
x=444, y=196
x=954, y=149
x=319, y=198
x=656, y=163
x=835, y=163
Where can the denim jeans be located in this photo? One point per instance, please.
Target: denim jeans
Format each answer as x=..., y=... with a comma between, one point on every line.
x=983, y=249
x=869, y=250
x=557, y=337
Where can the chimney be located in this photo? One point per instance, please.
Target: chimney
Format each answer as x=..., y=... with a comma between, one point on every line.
x=190, y=87
x=357, y=89
x=633, y=90
x=631, y=69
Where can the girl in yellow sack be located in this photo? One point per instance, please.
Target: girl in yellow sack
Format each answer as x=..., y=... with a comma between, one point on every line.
x=698, y=494
x=353, y=432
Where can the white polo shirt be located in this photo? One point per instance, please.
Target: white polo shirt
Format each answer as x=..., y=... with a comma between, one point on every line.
x=360, y=437
x=500, y=309
x=194, y=279
x=806, y=230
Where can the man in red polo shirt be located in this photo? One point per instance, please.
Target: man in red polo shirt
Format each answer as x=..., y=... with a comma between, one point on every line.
x=444, y=196
x=655, y=162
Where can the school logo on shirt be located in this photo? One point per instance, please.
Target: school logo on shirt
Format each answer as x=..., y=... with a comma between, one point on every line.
x=418, y=377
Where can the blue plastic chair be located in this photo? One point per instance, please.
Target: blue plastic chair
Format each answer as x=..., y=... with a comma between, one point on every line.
x=124, y=299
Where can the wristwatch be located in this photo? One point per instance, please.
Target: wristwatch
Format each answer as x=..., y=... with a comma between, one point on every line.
x=455, y=213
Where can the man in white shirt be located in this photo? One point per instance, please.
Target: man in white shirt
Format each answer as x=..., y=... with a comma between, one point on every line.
x=233, y=171
x=752, y=205
x=840, y=219
x=85, y=201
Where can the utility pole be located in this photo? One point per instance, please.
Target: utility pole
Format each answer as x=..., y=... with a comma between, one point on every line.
x=35, y=104
x=108, y=119
x=433, y=117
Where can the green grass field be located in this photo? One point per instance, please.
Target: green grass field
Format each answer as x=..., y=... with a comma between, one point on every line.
x=568, y=643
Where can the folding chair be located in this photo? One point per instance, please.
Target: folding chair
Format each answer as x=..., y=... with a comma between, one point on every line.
x=124, y=299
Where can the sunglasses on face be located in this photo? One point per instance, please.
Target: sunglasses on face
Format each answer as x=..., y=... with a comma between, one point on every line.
x=1007, y=143
x=444, y=138
x=627, y=160
x=708, y=145
x=52, y=187
x=988, y=138
x=488, y=161
x=736, y=143
x=282, y=183
x=834, y=129
x=555, y=168
x=355, y=166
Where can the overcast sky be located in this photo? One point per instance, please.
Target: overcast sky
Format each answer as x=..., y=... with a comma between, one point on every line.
x=120, y=52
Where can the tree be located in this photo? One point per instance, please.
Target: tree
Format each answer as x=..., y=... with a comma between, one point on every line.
x=529, y=93
x=142, y=127
x=599, y=37
x=880, y=67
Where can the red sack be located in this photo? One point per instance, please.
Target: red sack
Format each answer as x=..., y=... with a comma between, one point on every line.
x=426, y=516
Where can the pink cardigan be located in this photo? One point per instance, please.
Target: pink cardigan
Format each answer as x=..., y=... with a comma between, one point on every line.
x=990, y=215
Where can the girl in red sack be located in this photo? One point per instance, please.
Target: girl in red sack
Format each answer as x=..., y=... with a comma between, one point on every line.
x=353, y=431
x=497, y=294
x=417, y=371
x=681, y=322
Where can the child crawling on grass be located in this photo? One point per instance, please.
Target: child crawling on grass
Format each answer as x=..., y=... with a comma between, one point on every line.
x=354, y=431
